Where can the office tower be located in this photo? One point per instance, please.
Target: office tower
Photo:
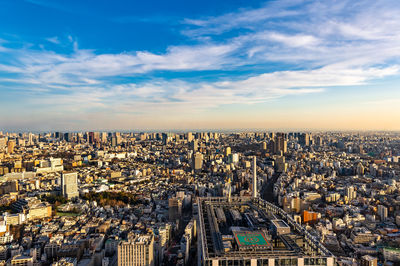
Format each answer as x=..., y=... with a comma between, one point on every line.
x=165, y=234
x=382, y=212
x=194, y=145
x=271, y=146
x=113, y=141
x=189, y=136
x=91, y=137
x=11, y=146
x=138, y=250
x=30, y=139
x=69, y=185
x=304, y=139
x=3, y=143
x=280, y=144
x=68, y=137
x=197, y=161
x=318, y=141
x=167, y=137
x=360, y=169
x=350, y=193
x=174, y=209
x=227, y=151
x=255, y=177
x=280, y=164
x=103, y=137
x=58, y=135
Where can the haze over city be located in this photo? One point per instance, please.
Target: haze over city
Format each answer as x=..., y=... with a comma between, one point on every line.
x=178, y=65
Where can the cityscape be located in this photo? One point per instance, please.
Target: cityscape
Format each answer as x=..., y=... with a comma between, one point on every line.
x=205, y=198
x=208, y=133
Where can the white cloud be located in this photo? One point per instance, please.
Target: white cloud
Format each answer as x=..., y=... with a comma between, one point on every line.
x=85, y=66
x=54, y=40
x=333, y=44
x=173, y=97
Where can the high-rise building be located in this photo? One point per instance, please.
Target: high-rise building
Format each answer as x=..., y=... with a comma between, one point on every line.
x=174, y=209
x=103, y=137
x=350, y=193
x=11, y=146
x=165, y=234
x=382, y=212
x=360, y=169
x=113, y=141
x=280, y=144
x=304, y=139
x=138, y=250
x=68, y=137
x=30, y=139
x=227, y=151
x=189, y=136
x=197, y=163
x=194, y=145
x=255, y=193
x=69, y=185
x=3, y=143
x=280, y=164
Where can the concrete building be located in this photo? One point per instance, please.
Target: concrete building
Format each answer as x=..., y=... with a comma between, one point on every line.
x=69, y=185
x=255, y=192
x=255, y=241
x=138, y=250
x=197, y=161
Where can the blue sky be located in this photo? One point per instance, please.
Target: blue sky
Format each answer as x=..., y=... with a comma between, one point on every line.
x=176, y=65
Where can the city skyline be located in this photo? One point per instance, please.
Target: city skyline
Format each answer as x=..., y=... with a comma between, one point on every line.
x=281, y=65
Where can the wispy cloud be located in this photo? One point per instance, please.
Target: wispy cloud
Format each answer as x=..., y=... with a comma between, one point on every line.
x=316, y=45
x=54, y=40
x=85, y=66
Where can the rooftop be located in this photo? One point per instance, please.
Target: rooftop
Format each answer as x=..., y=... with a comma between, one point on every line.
x=244, y=228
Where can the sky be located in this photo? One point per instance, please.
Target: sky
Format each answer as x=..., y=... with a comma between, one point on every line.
x=77, y=65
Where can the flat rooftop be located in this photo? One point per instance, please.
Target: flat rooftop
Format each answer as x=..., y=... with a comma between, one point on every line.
x=279, y=223
x=243, y=228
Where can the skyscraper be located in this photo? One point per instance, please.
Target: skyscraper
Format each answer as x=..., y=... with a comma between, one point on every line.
x=227, y=151
x=350, y=193
x=69, y=185
x=11, y=146
x=382, y=212
x=197, y=161
x=255, y=194
x=280, y=144
x=304, y=139
x=194, y=145
x=189, y=136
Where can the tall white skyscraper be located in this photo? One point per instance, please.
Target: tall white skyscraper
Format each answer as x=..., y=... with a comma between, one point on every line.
x=69, y=185
x=255, y=177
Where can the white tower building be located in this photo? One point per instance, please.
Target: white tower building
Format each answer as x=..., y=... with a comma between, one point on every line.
x=254, y=177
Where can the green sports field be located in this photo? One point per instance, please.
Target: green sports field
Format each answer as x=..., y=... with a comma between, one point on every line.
x=251, y=239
